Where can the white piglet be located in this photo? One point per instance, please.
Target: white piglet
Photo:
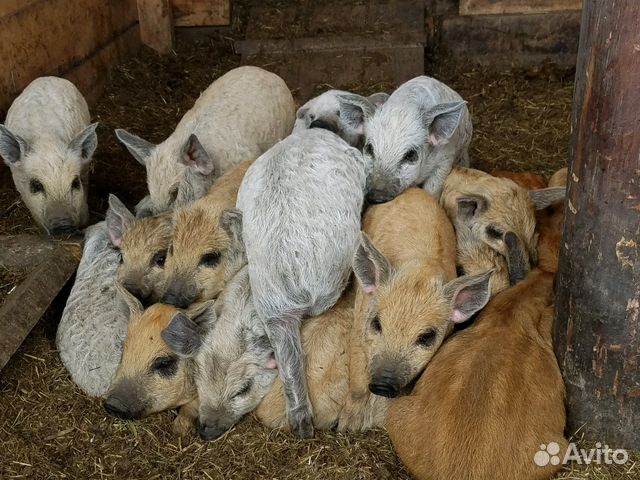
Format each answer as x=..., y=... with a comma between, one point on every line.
x=340, y=112
x=237, y=118
x=93, y=326
x=301, y=203
x=415, y=138
x=48, y=144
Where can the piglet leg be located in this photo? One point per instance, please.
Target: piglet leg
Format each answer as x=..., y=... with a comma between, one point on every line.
x=284, y=335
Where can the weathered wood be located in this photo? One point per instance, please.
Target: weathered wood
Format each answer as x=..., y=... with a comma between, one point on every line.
x=335, y=43
x=24, y=306
x=505, y=40
x=318, y=20
x=156, y=24
x=53, y=37
x=598, y=287
x=8, y=7
x=501, y=7
x=198, y=13
x=93, y=74
x=315, y=43
x=23, y=252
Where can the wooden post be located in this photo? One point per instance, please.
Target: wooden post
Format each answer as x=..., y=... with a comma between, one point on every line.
x=597, y=329
x=156, y=24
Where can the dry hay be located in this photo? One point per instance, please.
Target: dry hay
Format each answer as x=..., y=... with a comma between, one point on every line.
x=9, y=280
x=50, y=429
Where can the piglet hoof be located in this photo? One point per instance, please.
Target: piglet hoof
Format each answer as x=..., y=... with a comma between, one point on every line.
x=182, y=425
x=301, y=423
x=350, y=421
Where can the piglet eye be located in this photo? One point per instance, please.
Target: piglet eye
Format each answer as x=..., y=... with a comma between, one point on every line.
x=173, y=194
x=36, y=186
x=159, y=258
x=494, y=233
x=210, y=259
x=375, y=324
x=410, y=157
x=244, y=390
x=165, y=366
x=427, y=338
x=368, y=149
x=75, y=184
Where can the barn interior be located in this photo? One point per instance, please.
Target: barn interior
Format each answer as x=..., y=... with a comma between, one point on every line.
x=513, y=61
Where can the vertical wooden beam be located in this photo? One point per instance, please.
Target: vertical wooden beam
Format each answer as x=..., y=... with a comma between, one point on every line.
x=156, y=24
x=597, y=328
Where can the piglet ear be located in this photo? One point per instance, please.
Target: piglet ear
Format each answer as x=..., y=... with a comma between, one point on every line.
x=203, y=313
x=468, y=294
x=85, y=143
x=12, y=147
x=118, y=219
x=470, y=207
x=132, y=303
x=546, y=197
x=370, y=266
x=231, y=221
x=378, y=99
x=196, y=157
x=302, y=111
x=138, y=147
x=144, y=208
x=182, y=335
x=355, y=110
x=442, y=120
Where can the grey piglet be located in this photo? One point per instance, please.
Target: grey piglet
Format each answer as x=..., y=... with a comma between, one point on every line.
x=301, y=203
x=93, y=326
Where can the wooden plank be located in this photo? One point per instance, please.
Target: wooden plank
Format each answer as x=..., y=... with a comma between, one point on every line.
x=53, y=37
x=93, y=74
x=318, y=20
x=384, y=67
x=9, y=7
x=597, y=328
x=510, y=40
x=502, y=7
x=24, y=306
x=198, y=13
x=22, y=252
x=337, y=44
x=156, y=24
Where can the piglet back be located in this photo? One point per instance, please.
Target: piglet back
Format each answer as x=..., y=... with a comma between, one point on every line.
x=93, y=326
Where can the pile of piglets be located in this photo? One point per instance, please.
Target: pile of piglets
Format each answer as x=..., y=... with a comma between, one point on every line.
x=341, y=268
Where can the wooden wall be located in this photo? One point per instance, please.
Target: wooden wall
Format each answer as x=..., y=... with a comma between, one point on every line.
x=78, y=39
x=517, y=33
x=81, y=40
x=499, y=7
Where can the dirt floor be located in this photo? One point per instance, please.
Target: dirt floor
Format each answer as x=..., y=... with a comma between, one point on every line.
x=49, y=429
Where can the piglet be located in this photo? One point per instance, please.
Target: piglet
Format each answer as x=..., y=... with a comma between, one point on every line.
x=48, y=144
x=150, y=377
x=495, y=222
x=239, y=116
x=301, y=204
x=94, y=321
x=143, y=244
x=340, y=112
x=415, y=137
x=409, y=300
x=493, y=394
